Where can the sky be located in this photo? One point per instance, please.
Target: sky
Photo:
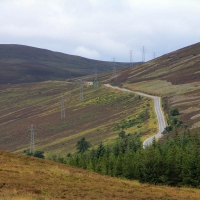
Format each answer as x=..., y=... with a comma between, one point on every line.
x=102, y=29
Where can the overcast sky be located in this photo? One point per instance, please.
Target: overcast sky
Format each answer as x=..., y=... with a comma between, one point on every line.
x=101, y=29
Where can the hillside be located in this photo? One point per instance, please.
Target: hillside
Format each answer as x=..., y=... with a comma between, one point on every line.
x=24, y=177
x=23, y=64
x=178, y=67
x=98, y=118
x=175, y=77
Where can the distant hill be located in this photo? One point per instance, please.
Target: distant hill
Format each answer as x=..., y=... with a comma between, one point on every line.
x=23, y=64
x=95, y=118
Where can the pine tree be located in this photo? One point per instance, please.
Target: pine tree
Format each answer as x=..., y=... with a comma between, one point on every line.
x=100, y=150
x=82, y=145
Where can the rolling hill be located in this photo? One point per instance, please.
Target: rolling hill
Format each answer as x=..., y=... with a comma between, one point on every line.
x=95, y=118
x=175, y=77
x=24, y=177
x=24, y=64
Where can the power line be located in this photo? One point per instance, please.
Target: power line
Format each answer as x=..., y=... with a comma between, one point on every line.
x=62, y=116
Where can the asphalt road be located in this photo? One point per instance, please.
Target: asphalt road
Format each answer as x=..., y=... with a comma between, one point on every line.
x=158, y=111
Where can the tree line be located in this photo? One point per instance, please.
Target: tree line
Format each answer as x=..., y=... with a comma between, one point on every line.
x=176, y=162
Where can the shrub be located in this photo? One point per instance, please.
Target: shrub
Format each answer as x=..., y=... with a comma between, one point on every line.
x=38, y=154
x=168, y=128
x=122, y=134
x=174, y=111
x=82, y=145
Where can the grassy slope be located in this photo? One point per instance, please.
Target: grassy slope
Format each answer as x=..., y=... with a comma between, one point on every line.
x=39, y=104
x=174, y=76
x=24, y=177
x=23, y=64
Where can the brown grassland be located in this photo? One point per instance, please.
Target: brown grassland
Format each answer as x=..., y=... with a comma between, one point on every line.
x=25, y=64
x=175, y=77
x=24, y=177
x=94, y=118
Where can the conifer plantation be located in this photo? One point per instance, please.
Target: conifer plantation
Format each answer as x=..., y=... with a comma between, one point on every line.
x=176, y=162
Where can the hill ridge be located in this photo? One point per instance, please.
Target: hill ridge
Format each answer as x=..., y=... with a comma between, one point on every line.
x=23, y=64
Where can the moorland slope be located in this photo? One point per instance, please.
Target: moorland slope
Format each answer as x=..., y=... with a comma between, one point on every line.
x=99, y=118
x=175, y=77
x=25, y=177
x=23, y=64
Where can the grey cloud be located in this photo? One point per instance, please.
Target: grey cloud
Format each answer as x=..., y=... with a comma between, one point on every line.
x=101, y=29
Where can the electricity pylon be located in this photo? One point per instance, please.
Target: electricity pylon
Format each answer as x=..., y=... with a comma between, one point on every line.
x=114, y=69
x=96, y=84
x=131, y=59
x=32, y=141
x=62, y=114
x=81, y=89
x=143, y=54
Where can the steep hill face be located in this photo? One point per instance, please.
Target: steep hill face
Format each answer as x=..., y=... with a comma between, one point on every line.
x=22, y=64
x=174, y=76
x=24, y=177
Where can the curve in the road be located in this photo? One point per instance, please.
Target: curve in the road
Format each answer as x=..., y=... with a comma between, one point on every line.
x=158, y=111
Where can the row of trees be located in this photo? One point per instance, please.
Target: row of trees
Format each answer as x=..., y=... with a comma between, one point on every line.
x=176, y=162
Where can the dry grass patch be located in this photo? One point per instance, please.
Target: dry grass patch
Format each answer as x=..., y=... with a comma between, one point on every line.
x=39, y=104
x=25, y=177
x=160, y=87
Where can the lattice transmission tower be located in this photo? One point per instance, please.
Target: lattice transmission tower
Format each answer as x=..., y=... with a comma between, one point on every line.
x=154, y=55
x=114, y=69
x=32, y=129
x=13, y=53
x=96, y=83
x=81, y=89
x=62, y=113
x=131, y=58
x=143, y=54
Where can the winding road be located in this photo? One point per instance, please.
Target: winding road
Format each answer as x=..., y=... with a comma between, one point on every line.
x=158, y=111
